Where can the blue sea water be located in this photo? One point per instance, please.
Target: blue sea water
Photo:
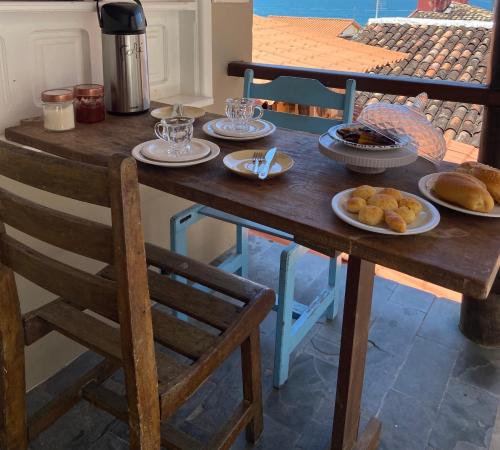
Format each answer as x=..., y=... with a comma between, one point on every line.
x=360, y=10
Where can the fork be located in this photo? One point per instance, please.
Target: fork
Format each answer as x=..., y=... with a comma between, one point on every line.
x=257, y=158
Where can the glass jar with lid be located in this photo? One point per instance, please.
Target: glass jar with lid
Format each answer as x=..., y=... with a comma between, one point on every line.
x=89, y=103
x=58, y=110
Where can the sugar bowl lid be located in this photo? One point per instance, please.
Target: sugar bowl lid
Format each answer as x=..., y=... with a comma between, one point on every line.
x=57, y=95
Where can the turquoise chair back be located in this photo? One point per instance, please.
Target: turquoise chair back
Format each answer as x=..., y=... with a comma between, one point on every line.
x=302, y=91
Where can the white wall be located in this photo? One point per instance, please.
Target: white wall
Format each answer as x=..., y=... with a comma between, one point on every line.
x=232, y=41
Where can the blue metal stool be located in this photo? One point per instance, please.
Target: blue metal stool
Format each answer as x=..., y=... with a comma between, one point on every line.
x=289, y=334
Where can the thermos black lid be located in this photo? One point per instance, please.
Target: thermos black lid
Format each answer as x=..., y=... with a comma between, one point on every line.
x=122, y=18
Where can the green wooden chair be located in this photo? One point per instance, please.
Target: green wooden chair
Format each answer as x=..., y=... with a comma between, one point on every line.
x=294, y=319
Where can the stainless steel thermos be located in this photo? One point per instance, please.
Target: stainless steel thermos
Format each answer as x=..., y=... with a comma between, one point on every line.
x=125, y=57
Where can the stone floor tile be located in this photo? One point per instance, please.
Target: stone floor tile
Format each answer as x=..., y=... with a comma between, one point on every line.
x=316, y=436
x=79, y=429
x=412, y=298
x=324, y=349
x=480, y=367
x=110, y=441
x=426, y=371
x=406, y=424
x=380, y=373
x=467, y=415
x=383, y=290
x=441, y=324
x=395, y=328
x=275, y=436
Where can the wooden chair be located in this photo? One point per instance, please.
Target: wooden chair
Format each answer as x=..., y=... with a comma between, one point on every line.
x=157, y=381
x=289, y=334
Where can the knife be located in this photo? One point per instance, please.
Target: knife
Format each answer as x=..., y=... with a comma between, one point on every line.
x=268, y=160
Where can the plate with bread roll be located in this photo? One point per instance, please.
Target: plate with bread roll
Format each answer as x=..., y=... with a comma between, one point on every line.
x=385, y=210
x=473, y=188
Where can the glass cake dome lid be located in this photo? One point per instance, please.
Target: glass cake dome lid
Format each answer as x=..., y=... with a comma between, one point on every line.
x=409, y=120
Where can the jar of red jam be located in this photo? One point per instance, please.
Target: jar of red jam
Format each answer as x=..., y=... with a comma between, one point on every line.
x=89, y=103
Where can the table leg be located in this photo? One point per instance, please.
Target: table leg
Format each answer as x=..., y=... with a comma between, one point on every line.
x=353, y=348
x=480, y=319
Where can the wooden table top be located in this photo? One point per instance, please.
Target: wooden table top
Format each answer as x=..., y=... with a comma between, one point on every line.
x=462, y=253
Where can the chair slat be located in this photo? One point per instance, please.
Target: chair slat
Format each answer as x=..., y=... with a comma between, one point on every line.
x=301, y=91
x=99, y=336
x=66, y=231
x=60, y=176
x=180, y=336
x=76, y=286
x=193, y=302
x=226, y=283
x=84, y=329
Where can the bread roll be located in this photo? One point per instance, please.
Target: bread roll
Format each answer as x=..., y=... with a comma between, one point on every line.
x=354, y=204
x=371, y=215
x=395, y=221
x=411, y=203
x=463, y=190
x=365, y=192
x=392, y=192
x=406, y=213
x=487, y=174
x=383, y=201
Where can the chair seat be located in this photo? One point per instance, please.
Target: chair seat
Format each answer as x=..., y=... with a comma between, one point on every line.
x=220, y=325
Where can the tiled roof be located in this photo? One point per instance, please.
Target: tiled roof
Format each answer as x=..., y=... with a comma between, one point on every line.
x=457, y=11
x=317, y=26
x=444, y=52
x=282, y=43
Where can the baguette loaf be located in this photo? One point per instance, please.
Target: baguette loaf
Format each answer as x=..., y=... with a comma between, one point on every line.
x=488, y=175
x=463, y=190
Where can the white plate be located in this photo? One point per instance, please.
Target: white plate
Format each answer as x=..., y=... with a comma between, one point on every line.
x=166, y=111
x=241, y=163
x=256, y=127
x=158, y=150
x=401, y=141
x=426, y=220
x=214, y=152
x=425, y=185
x=208, y=129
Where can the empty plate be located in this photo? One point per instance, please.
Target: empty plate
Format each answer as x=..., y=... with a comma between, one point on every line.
x=214, y=152
x=209, y=130
x=241, y=162
x=254, y=127
x=158, y=150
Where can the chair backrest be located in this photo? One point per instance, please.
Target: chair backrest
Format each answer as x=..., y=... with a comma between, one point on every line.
x=126, y=300
x=301, y=91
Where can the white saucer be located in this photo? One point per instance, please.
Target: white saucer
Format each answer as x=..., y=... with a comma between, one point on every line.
x=165, y=112
x=241, y=162
x=209, y=130
x=426, y=220
x=255, y=127
x=214, y=152
x=158, y=150
x=425, y=184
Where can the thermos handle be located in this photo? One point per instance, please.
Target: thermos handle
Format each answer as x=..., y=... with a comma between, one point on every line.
x=99, y=12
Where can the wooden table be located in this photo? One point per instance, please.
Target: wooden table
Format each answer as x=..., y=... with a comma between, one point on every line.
x=462, y=253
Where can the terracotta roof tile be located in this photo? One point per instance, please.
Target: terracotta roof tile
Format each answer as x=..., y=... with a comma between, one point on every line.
x=290, y=42
x=457, y=11
x=439, y=51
